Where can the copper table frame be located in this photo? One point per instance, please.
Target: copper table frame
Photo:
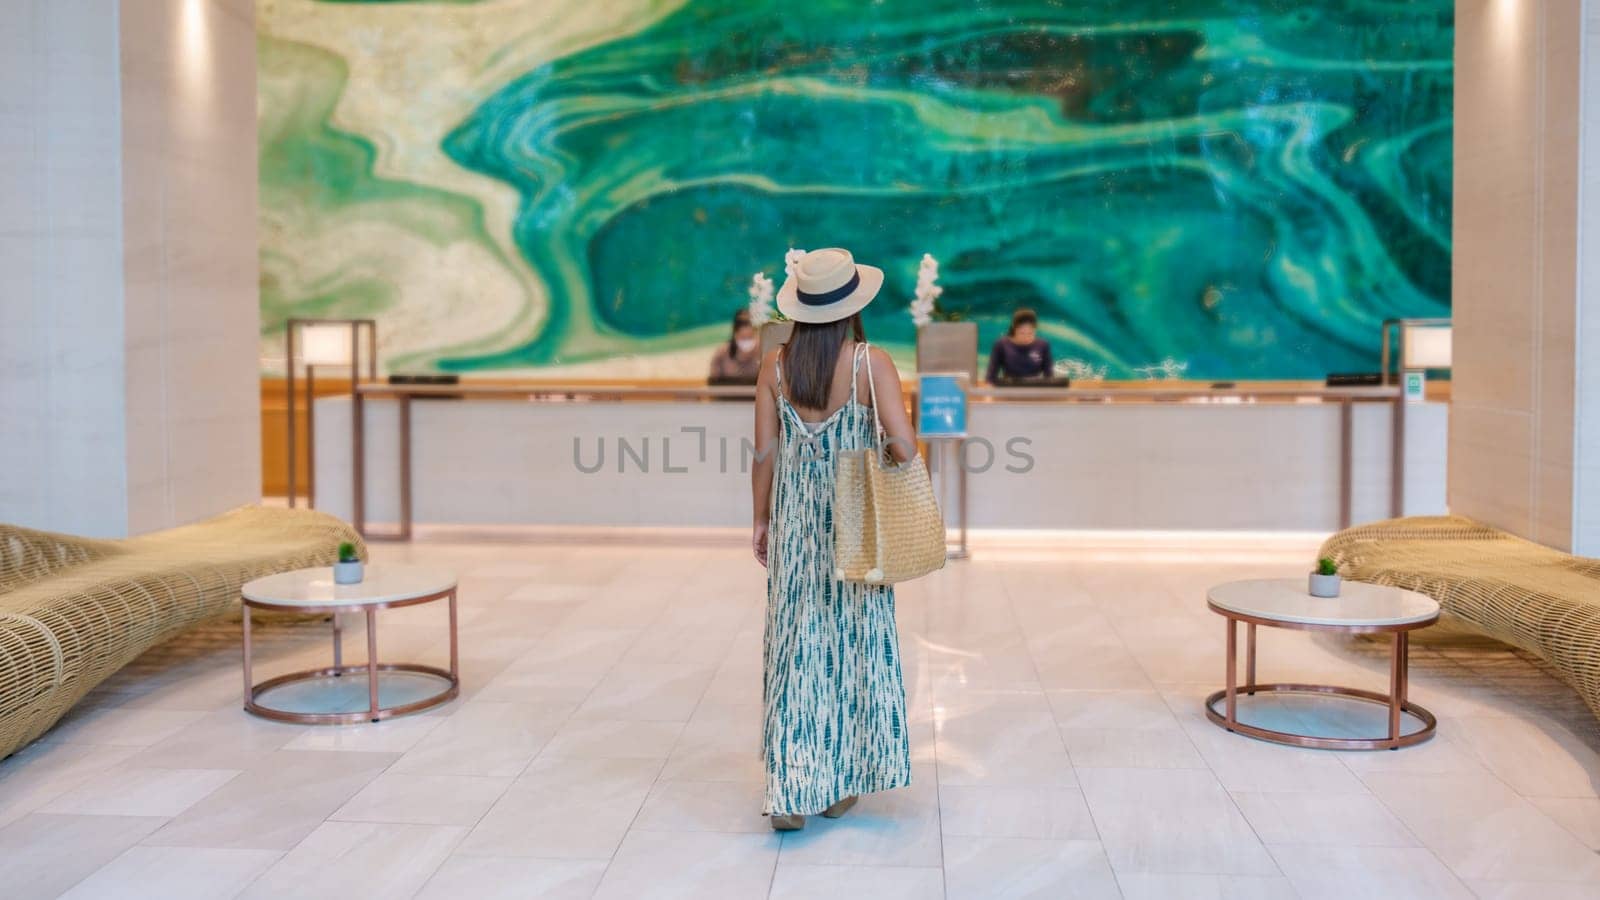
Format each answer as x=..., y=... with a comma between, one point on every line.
x=374, y=711
x=1395, y=700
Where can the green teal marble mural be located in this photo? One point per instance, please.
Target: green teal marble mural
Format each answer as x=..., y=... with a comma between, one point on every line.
x=1247, y=186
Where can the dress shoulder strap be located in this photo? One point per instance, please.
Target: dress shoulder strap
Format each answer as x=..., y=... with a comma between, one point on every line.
x=857, y=356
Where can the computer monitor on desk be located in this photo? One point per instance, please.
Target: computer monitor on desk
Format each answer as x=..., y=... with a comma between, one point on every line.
x=1049, y=381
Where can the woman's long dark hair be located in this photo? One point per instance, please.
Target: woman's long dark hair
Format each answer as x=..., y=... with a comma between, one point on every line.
x=741, y=319
x=811, y=356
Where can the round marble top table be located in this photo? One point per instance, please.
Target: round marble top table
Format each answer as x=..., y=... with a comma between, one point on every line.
x=1361, y=608
x=383, y=587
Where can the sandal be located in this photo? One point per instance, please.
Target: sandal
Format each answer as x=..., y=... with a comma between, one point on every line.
x=788, y=823
x=840, y=808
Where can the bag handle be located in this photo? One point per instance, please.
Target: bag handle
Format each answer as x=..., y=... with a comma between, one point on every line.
x=877, y=422
x=872, y=391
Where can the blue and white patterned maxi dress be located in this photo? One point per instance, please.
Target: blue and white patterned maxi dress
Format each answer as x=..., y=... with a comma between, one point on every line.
x=834, y=698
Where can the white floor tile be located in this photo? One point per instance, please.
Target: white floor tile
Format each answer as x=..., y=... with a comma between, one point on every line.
x=1346, y=820
x=42, y=855
x=226, y=739
x=661, y=692
x=140, y=792
x=275, y=805
x=691, y=866
x=1177, y=821
x=792, y=882
x=485, y=738
x=1337, y=873
x=514, y=878
x=388, y=736
x=1020, y=812
x=1014, y=868
x=1001, y=746
x=1131, y=748
x=728, y=806
x=121, y=727
x=613, y=739
x=341, y=860
x=1532, y=890
x=1542, y=761
x=719, y=743
x=565, y=809
x=1111, y=709
x=1580, y=816
x=174, y=873
x=1483, y=830
x=1146, y=886
x=413, y=799
x=40, y=772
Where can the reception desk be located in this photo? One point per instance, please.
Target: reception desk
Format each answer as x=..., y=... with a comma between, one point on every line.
x=1241, y=458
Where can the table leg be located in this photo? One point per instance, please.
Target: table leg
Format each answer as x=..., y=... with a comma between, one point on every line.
x=338, y=645
x=1250, y=659
x=372, y=661
x=1397, y=663
x=1405, y=666
x=1233, y=674
x=405, y=467
x=249, y=684
x=455, y=655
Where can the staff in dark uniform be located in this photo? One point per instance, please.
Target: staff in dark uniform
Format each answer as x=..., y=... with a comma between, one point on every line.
x=739, y=360
x=1020, y=353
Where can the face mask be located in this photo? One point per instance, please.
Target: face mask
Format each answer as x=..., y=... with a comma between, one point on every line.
x=745, y=345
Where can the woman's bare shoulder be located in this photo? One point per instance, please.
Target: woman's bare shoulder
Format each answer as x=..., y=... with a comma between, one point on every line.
x=769, y=364
x=881, y=360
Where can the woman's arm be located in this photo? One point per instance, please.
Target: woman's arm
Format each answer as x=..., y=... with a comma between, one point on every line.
x=994, y=364
x=1049, y=361
x=902, y=438
x=766, y=440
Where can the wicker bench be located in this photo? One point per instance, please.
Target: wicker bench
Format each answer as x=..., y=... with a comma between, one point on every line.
x=1527, y=595
x=74, y=610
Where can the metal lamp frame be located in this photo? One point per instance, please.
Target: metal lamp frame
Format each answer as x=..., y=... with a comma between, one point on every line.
x=291, y=362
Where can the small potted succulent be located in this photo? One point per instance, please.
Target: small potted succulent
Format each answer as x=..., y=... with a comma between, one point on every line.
x=348, y=569
x=1325, y=579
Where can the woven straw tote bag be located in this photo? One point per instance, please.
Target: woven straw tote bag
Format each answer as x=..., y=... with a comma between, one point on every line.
x=887, y=527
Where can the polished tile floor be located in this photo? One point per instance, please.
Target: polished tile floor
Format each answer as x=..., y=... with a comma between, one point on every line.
x=606, y=746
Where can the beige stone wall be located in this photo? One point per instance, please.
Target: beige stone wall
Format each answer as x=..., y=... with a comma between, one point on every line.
x=1586, y=463
x=190, y=258
x=128, y=296
x=1512, y=425
x=61, y=360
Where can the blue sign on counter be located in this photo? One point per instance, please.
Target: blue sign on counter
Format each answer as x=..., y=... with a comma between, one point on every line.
x=941, y=406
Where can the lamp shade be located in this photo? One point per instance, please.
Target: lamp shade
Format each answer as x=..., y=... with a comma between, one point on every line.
x=1426, y=347
x=325, y=345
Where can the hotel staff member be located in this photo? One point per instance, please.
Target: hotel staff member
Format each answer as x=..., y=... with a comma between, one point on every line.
x=739, y=360
x=1021, y=353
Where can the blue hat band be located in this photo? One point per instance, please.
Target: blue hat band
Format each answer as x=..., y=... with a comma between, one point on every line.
x=833, y=296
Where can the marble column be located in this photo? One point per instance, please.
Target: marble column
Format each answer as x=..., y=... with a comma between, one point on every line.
x=128, y=269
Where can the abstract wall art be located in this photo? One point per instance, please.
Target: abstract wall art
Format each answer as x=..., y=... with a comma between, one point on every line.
x=586, y=186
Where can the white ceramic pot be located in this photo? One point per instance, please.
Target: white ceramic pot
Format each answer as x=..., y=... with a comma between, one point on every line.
x=347, y=572
x=1324, y=585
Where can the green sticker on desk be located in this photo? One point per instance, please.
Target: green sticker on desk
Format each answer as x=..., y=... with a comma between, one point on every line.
x=941, y=406
x=1416, y=386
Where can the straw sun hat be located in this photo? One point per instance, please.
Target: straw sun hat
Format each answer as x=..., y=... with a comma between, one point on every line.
x=827, y=286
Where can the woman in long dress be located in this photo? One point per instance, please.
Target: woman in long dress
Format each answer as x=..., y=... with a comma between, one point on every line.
x=834, y=700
